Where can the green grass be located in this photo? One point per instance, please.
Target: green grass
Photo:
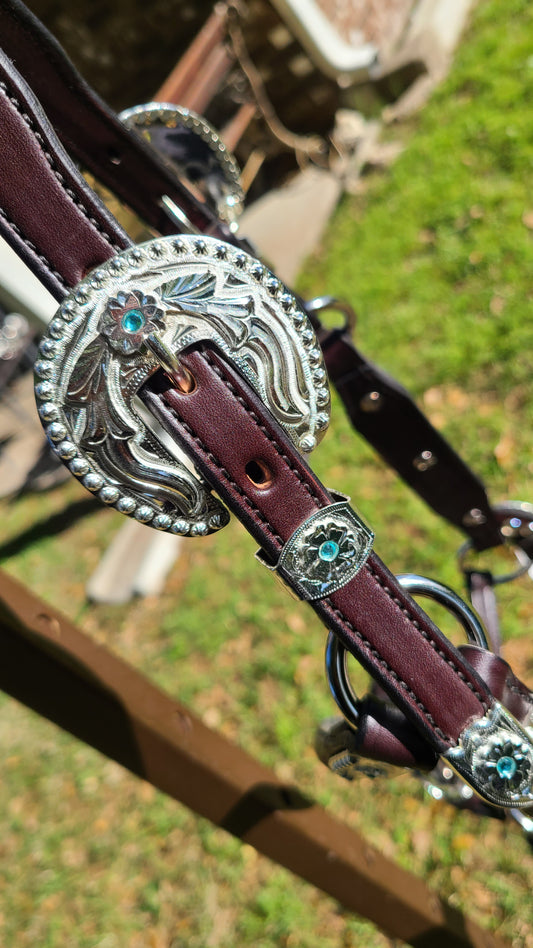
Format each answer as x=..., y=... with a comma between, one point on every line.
x=436, y=256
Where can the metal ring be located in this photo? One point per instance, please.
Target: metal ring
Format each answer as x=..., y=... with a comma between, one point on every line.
x=338, y=679
x=438, y=592
x=321, y=303
x=512, y=510
x=337, y=653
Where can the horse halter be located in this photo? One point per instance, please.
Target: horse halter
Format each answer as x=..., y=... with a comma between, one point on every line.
x=188, y=345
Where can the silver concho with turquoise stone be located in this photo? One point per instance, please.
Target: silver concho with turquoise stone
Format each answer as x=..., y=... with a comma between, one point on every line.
x=95, y=357
x=325, y=552
x=495, y=757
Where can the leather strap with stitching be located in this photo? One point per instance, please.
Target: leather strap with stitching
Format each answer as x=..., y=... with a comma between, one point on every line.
x=91, y=131
x=387, y=417
x=384, y=734
x=223, y=427
x=96, y=138
x=61, y=229
x=48, y=214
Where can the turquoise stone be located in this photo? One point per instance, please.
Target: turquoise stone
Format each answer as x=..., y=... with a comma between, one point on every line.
x=133, y=320
x=328, y=551
x=506, y=767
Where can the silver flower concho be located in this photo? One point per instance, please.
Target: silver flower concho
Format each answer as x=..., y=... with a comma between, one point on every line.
x=95, y=358
x=494, y=755
x=325, y=552
x=505, y=764
x=129, y=318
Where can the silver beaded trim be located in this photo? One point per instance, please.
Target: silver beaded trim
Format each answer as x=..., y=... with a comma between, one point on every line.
x=140, y=118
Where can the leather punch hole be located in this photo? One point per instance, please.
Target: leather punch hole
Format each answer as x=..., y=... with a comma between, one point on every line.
x=260, y=475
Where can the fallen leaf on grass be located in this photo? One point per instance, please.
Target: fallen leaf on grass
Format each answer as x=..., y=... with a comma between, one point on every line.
x=146, y=791
x=296, y=622
x=156, y=939
x=463, y=842
x=518, y=653
x=457, y=876
x=497, y=305
x=51, y=902
x=285, y=771
x=481, y=897
x=439, y=396
x=421, y=842
x=73, y=856
x=212, y=717
x=304, y=668
x=457, y=397
x=505, y=452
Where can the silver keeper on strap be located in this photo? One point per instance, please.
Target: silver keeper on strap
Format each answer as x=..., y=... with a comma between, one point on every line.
x=324, y=553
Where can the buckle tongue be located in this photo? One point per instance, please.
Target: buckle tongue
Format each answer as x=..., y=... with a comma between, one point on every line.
x=143, y=308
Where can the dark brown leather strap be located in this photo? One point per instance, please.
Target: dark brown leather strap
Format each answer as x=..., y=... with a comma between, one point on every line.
x=383, y=733
x=482, y=593
x=223, y=428
x=93, y=134
x=62, y=230
x=91, y=131
x=384, y=413
x=48, y=214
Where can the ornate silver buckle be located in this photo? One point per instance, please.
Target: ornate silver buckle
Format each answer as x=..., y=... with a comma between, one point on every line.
x=144, y=307
x=211, y=168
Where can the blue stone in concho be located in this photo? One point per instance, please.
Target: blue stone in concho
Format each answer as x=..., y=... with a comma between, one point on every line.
x=506, y=767
x=328, y=551
x=133, y=320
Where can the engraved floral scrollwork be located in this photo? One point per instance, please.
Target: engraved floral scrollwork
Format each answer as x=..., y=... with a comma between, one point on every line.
x=505, y=764
x=495, y=757
x=326, y=551
x=330, y=551
x=128, y=318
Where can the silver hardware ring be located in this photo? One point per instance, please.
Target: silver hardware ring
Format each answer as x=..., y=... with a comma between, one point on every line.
x=516, y=514
x=337, y=654
x=322, y=303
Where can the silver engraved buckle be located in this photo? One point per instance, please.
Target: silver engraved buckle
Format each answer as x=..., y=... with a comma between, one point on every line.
x=141, y=309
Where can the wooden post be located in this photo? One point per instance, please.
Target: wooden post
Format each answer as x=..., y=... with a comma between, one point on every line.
x=58, y=671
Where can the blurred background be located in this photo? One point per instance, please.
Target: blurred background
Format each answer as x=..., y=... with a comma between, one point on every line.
x=426, y=147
